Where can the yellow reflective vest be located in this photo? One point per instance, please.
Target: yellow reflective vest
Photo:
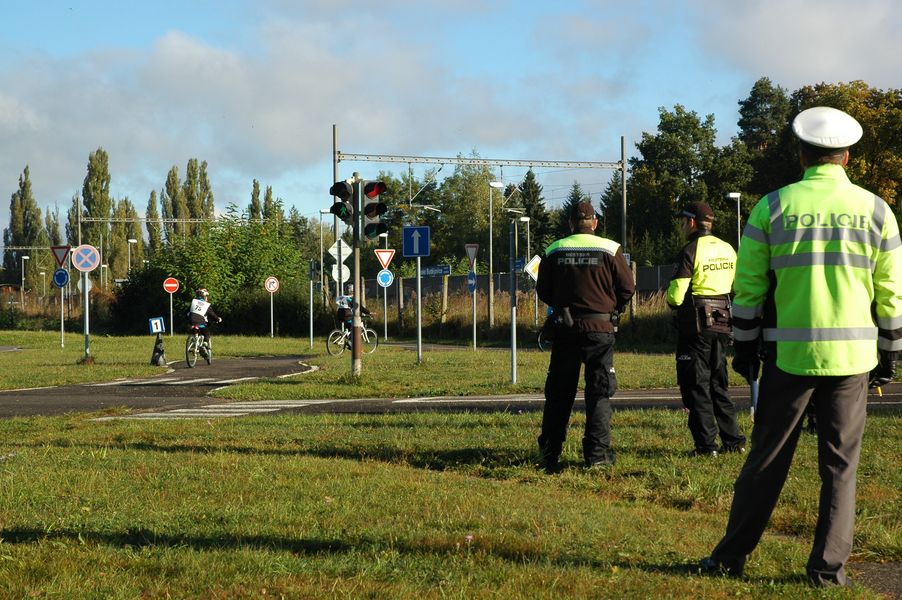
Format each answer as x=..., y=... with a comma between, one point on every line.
x=705, y=268
x=819, y=276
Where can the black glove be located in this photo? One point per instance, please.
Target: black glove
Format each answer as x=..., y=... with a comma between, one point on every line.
x=746, y=361
x=885, y=370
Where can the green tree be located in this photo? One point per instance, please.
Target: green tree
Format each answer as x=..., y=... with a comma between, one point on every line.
x=562, y=228
x=176, y=204
x=254, y=209
x=96, y=198
x=72, y=220
x=154, y=226
x=25, y=228
x=539, y=219
x=52, y=227
x=765, y=129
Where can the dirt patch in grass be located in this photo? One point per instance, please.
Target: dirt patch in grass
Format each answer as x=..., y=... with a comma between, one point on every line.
x=885, y=578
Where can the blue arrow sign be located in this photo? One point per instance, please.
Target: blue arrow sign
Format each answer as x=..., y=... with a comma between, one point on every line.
x=415, y=241
x=471, y=281
x=60, y=277
x=385, y=278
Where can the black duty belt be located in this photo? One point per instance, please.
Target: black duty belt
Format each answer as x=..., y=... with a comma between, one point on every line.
x=713, y=302
x=593, y=316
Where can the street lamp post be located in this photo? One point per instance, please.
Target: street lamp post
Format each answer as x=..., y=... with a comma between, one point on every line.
x=102, y=267
x=44, y=284
x=736, y=196
x=492, y=185
x=526, y=259
x=130, y=242
x=22, y=287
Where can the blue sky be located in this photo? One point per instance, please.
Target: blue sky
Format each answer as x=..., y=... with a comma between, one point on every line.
x=253, y=87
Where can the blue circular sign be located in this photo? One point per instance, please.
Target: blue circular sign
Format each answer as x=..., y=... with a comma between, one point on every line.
x=60, y=277
x=471, y=281
x=385, y=278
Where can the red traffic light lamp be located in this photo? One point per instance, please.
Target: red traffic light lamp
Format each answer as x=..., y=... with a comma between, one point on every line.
x=373, y=209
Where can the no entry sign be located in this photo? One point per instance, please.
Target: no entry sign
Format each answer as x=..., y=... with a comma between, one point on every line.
x=171, y=285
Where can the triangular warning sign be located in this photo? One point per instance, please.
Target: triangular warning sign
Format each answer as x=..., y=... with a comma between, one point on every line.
x=472, y=249
x=60, y=253
x=385, y=255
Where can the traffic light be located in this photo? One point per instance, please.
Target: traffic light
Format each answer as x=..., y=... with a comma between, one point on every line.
x=344, y=203
x=373, y=209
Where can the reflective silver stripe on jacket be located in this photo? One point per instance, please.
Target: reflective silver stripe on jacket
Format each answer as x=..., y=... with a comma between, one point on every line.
x=746, y=335
x=891, y=345
x=889, y=322
x=747, y=312
x=822, y=334
x=837, y=259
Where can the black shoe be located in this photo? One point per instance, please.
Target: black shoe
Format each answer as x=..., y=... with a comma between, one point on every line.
x=605, y=460
x=551, y=466
x=712, y=566
x=737, y=448
x=697, y=452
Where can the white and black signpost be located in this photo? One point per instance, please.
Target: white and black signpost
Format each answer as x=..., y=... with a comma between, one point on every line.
x=271, y=285
x=472, y=249
x=385, y=278
x=86, y=258
x=60, y=280
x=171, y=285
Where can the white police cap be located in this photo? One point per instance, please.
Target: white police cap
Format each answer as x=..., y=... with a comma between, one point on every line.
x=826, y=127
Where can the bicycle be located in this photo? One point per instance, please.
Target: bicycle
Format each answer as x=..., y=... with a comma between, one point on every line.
x=195, y=345
x=339, y=339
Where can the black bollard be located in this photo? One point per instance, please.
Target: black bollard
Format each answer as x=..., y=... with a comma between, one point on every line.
x=158, y=358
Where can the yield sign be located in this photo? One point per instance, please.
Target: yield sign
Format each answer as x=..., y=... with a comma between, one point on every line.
x=60, y=253
x=385, y=255
x=472, y=249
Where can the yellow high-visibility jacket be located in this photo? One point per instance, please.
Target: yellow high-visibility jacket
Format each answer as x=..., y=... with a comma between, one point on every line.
x=819, y=276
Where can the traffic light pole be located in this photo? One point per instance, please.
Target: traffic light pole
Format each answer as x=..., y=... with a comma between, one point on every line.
x=356, y=349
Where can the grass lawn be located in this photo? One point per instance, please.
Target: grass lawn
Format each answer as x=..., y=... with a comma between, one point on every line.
x=423, y=505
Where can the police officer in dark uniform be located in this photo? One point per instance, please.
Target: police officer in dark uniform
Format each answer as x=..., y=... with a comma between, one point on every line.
x=700, y=293
x=586, y=280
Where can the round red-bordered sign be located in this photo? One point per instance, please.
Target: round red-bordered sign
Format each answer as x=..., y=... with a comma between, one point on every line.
x=171, y=285
x=271, y=285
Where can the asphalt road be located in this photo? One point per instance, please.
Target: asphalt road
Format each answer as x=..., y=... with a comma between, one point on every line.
x=182, y=393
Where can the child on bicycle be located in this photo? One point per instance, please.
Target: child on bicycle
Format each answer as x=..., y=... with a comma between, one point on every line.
x=345, y=312
x=200, y=313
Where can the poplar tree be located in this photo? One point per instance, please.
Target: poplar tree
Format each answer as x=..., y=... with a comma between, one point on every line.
x=153, y=225
x=95, y=196
x=254, y=211
x=25, y=226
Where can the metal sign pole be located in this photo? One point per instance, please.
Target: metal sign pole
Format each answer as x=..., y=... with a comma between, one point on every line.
x=270, y=316
x=474, y=319
x=419, y=313
x=311, y=314
x=170, y=314
x=513, y=297
x=62, y=317
x=85, y=282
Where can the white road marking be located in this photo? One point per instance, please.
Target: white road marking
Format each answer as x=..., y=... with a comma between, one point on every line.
x=190, y=381
x=150, y=381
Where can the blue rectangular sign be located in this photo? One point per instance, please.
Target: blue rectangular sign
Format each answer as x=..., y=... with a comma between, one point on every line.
x=435, y=270
x=415, y=241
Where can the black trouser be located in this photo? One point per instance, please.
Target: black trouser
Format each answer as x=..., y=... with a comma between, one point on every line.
x=840, y=405
x=702, y=376
x=569, y=352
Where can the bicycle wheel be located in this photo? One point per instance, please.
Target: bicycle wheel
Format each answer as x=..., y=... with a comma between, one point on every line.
x=369, y=340
x=209, y=352
x=335, y=345
x=191, y=350
x=543, y=343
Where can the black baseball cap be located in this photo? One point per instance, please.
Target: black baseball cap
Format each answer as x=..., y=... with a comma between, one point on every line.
x=582, y=210
x=700, y=211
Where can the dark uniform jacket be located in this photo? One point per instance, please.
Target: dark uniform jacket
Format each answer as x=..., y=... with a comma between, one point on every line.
x=588, y=274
